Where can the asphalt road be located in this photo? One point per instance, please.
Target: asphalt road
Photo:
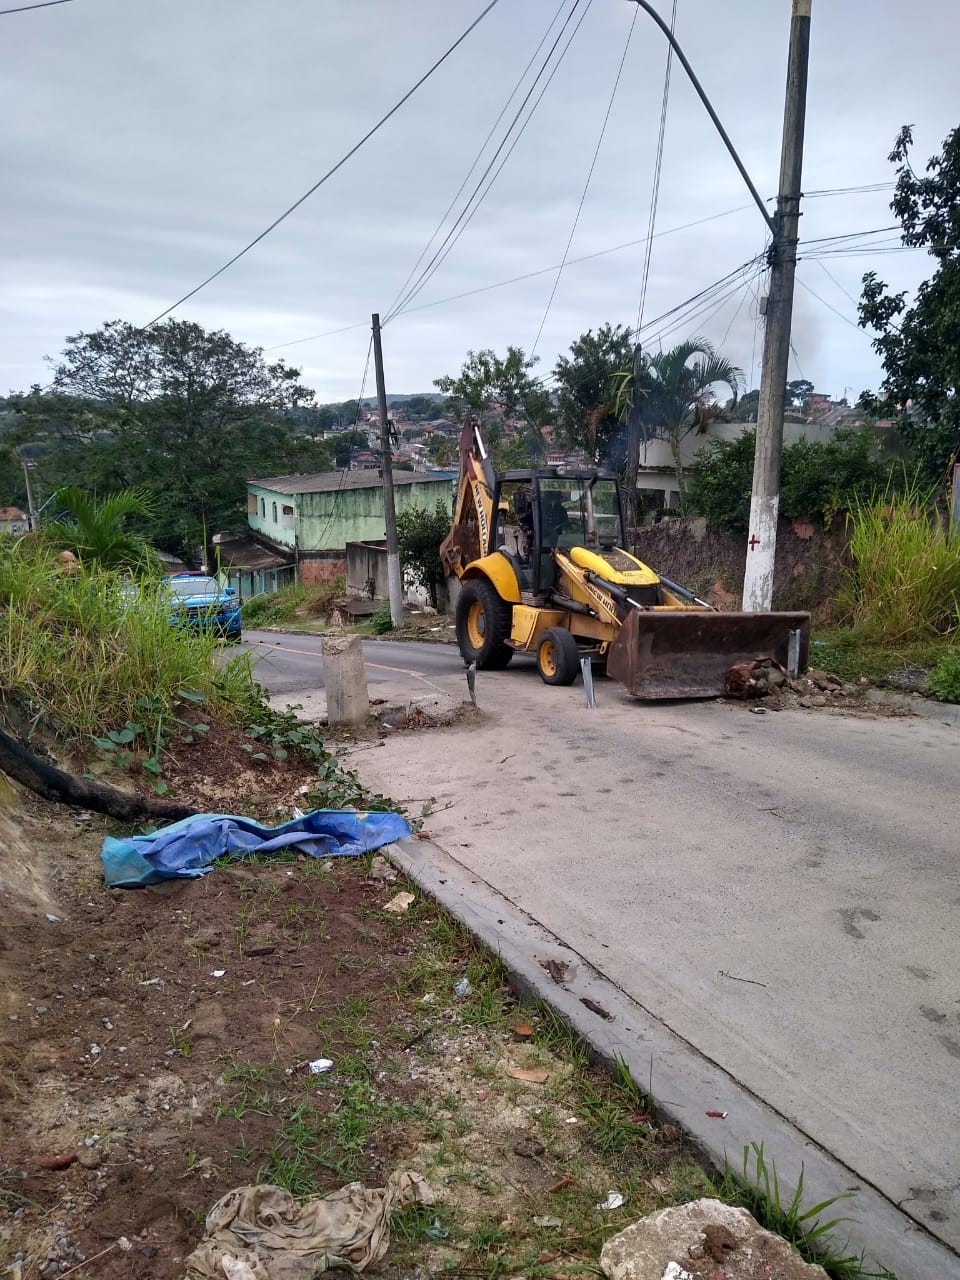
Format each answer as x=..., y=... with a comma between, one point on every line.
x=781, y=891
x=291, y=664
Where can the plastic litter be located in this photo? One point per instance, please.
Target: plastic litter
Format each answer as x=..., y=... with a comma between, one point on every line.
x=217, y=973
x=189, y=848
x=319, y=1065
x=546, y=1221
x=255, y=1232
x=462, y=987
x=614, y=1200
x=400, y=904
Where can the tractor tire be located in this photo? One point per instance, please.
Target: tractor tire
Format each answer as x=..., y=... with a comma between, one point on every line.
x=484, y=623
x=558, y=659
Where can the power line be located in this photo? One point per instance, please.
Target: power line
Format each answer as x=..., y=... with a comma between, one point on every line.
x=45, y=4
x=846, y=319
x=586, y=185
x=330, y=172
x=483, y=146
x=479, y=193
x=527, y=275
x=657, y=168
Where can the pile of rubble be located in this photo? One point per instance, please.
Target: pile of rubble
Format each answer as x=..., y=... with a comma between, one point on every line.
x=764, y=678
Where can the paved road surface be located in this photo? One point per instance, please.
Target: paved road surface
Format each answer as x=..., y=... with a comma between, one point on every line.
x=782, y=891
x=291, y=664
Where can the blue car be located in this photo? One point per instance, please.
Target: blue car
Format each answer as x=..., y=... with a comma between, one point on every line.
x=200, y=602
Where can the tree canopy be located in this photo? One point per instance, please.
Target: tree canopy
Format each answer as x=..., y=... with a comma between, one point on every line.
x=919, y=344
x=184, y=414
x=586, y=415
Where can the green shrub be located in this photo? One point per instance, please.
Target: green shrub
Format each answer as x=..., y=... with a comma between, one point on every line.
x=381, y=621
x=818, y=479
x=944, y=681
x=720, y=486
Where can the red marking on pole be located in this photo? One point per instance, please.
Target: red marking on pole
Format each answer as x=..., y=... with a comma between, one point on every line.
x=754, y=542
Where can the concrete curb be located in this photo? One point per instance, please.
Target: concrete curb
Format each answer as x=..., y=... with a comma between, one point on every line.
x=684, y=1084
x=945, y=712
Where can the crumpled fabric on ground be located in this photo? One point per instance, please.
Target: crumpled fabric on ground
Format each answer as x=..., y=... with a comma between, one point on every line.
x=190, y=846
x=264, y=1233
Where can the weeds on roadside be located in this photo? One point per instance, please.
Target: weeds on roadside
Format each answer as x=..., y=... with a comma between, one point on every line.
x=905, y=584
x=79, y=651
x=757, y=1186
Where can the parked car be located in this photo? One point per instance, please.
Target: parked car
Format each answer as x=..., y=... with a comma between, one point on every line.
x=200, y=602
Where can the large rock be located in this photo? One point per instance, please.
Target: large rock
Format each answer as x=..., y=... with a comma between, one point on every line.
x=703, y=1240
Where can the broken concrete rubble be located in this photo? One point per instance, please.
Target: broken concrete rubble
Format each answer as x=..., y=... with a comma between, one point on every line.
x=703, y=1240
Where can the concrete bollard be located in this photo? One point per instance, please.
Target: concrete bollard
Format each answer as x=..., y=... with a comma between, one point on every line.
x=345, y=678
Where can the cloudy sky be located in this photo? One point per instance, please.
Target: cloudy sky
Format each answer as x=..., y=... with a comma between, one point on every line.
x=143, y=142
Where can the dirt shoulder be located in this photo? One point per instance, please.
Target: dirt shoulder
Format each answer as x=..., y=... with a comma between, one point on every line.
x=155, y=1049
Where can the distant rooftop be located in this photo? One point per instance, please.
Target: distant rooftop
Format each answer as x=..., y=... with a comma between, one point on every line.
x=334, y=481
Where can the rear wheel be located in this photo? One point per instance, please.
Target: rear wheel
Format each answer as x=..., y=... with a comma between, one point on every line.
x=484, y=622
x=558, y=659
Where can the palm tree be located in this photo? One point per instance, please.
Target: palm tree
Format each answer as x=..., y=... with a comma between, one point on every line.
x=96, y=532
x=679, y=395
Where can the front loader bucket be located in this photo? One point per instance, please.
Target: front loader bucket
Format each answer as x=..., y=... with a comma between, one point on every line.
x=686, y=653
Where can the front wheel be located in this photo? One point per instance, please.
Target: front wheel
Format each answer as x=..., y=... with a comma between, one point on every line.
x=484, y=622
x=558, y=659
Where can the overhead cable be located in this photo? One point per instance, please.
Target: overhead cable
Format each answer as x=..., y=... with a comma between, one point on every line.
x=330, y=172
x=586, y=185
x=44, y=4
x=480, y=192
x=657, y=168
x=527, y=275
x=483, y=146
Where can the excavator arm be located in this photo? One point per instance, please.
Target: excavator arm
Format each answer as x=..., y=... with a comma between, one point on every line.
x=471, y=532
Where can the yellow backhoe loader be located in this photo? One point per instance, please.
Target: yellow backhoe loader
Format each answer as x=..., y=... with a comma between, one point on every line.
x=539, y=557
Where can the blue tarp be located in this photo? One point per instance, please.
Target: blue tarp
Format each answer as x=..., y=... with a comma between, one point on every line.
x=189, y=847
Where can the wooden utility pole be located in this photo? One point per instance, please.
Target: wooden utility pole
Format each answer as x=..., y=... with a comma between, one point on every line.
x=389, y=506
x=765, y=499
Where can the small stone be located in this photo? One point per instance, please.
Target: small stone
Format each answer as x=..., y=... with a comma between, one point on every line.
x=49, y=1270
x=89, y=1158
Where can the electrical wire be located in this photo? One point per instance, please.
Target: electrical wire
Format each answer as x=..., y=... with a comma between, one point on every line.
x=586, y=185
x=527, y=275
x=657, y=169
x=46, y=4
x=830, y=276
x=330, y=172
x=483, y=146
x=478, y=195
x=846, y=319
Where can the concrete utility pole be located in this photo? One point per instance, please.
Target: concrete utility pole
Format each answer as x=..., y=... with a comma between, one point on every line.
x=765, y=499
x=389, y=507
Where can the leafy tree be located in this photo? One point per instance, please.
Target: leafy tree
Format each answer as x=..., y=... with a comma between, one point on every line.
x=586, y=417
x=187, y=415
x=745, y=408
x=97, y=532
x=424, y=408
x=798, y=392
x=680, y=397
x=419, y=533
x=919, y=344
x=492, y=388
x=487, y=379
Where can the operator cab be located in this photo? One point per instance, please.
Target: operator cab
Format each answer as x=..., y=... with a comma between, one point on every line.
x=538, y=512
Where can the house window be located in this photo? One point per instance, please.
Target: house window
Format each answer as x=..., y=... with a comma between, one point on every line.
x=287, y=511
x=263, y=508
x=274, y=513
x=251, y=504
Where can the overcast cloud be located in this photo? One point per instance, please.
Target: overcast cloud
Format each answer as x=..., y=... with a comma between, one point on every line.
x=145, y=141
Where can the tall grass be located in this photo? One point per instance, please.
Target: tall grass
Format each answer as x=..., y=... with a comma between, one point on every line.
x=905, y=583
x=83, y=655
